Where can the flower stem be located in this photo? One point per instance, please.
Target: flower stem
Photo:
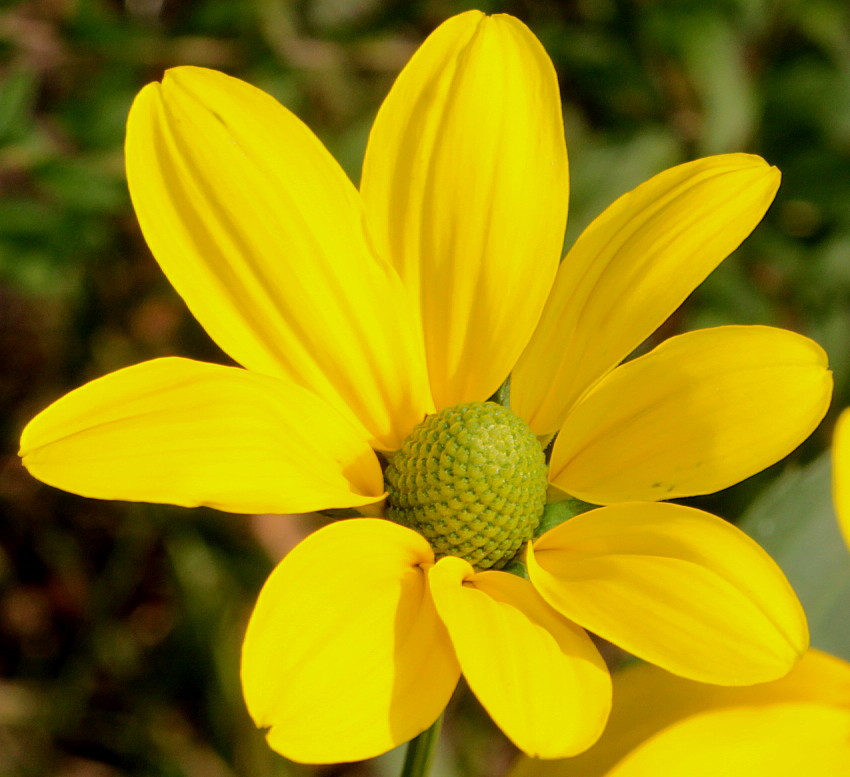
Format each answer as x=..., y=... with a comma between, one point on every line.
x=420, y=751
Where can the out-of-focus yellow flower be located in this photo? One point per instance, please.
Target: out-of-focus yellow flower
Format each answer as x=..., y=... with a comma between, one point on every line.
x=357, y=314
x=664, y=726
x=841, y=473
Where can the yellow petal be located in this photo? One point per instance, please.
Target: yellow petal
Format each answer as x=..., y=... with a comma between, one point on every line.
x=187, y=433
x=675, y=586
x=841, y=473
x=785, y=740
x=629, y=270
x=699, y=413
x=539, y=676
x=260, y=232
x=465, y=187
x=648, y=700
x=345, y=656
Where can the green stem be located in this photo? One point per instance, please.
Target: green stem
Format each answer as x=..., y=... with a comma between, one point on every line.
x=420, y=751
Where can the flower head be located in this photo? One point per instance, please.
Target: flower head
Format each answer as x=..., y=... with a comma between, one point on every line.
x=364, y=321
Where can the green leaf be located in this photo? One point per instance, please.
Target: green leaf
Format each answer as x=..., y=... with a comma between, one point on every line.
x=794, y=521
x=517, y=567
x=555, y=513
x=17, y=97
x=714, y=56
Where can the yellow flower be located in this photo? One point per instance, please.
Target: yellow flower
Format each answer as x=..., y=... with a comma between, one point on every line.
x=357, y=314
x=663, y=726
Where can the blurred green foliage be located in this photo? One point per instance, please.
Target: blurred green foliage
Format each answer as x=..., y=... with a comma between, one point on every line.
x=794, y=520
x=120, y=625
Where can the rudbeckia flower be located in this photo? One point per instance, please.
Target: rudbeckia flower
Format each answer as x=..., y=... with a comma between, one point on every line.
x=664, y=726
x=371, y=328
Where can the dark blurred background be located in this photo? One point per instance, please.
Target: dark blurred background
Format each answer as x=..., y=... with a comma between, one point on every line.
x=120, y=625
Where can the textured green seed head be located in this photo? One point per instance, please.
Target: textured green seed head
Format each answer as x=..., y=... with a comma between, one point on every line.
x=472, y=480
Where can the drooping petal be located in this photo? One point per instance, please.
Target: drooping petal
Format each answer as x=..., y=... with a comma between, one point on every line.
x=675, y=586
x=784, y=740
x=177, y=431
x=700, y=412
x=539, y=676
x=261, y=233
x=345, y=656
x=465, y=187
x=648, y=699
x=629, y=270
x=841, y=473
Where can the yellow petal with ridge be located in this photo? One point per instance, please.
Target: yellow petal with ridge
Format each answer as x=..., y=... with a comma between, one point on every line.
x=675, y=586
x=345, y=656
x=539, y=676
x=629, y=270
x=699, y=413
x=465, y=186
x=182, y=432
x=260, y=232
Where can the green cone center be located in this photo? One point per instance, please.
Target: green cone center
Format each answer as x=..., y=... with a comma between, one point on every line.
x=472, y=480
